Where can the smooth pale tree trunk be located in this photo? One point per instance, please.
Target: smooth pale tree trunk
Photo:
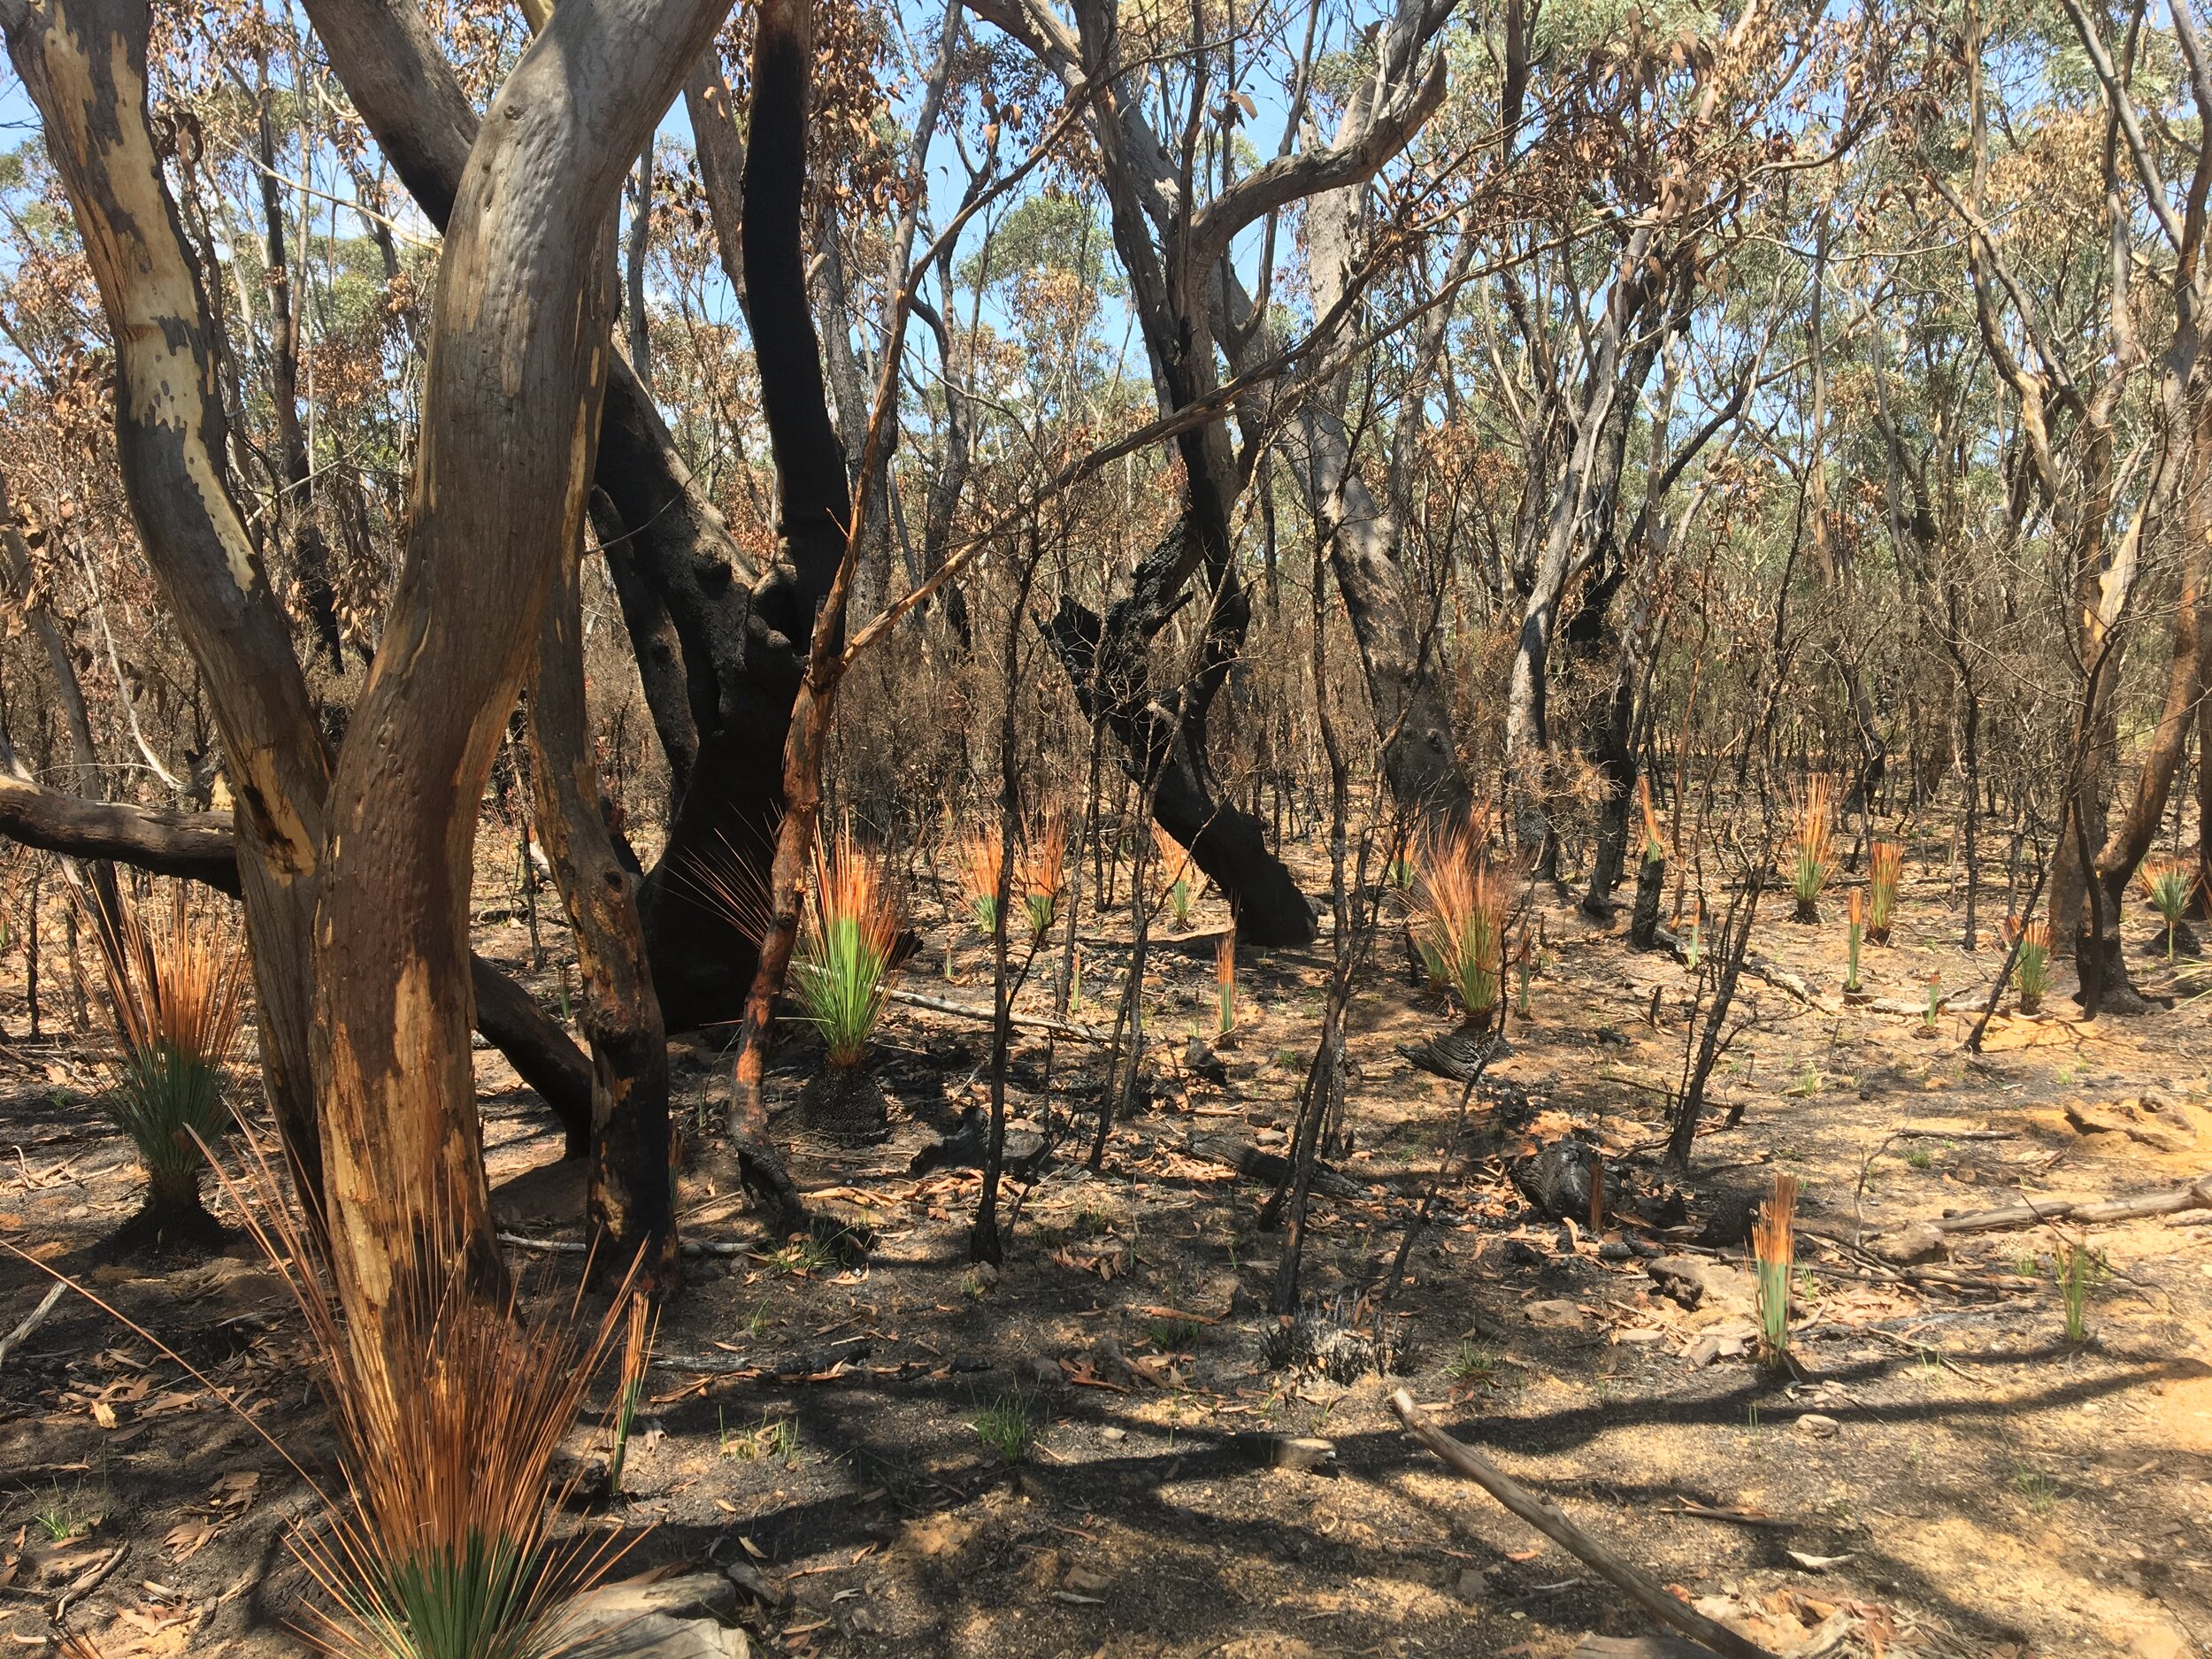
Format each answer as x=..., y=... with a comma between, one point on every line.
x=849, y=390
x=84, y=64
x=98, y=877
x=1593, y=470
x=519, y=362
x=2182, y=487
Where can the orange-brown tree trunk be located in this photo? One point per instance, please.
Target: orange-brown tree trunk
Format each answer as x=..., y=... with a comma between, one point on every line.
x=2132, y=837
x=518, y=364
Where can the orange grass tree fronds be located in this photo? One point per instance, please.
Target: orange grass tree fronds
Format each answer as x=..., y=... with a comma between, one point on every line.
x=2031, y=963
x=1040, y=873
x=850, y=924
x=448, y=1428
x=2168, y=884
x=1885, y=870
x=176, y=973
x=842, y=968
x=1459, y=921
x=1774, y=1245
x=982, y=864
x=1176, y=885
x=1812, y=850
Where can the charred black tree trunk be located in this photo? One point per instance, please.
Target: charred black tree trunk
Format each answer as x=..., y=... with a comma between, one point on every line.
x=1163, y=735
x=1643, y=921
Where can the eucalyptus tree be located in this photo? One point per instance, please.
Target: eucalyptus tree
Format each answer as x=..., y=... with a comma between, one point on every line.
x=2089, y=295
x=356, y=868
x=1165, y=112
x=1704, y=128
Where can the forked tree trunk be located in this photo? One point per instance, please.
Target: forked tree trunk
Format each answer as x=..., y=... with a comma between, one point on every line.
x=1161, y=733
x=1395, y=627
x=676, y=569
x=519, y=362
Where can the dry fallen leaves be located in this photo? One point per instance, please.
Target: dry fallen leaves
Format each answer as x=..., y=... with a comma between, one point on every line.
x=235, y=1491
x=186, y=1539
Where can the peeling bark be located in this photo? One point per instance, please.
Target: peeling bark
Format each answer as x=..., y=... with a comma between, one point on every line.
x=84, y=64
x=519, y=360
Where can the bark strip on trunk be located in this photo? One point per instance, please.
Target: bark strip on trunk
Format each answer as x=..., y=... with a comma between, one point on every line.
x=630, y=1204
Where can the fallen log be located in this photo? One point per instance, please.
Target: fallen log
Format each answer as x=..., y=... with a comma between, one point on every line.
x=1270, y=1169
x=1552, y=1522
x=2196, y=1195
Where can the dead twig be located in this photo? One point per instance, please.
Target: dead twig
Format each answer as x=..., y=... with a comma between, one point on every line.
x=1550, y=1520
x=1028, y=1022
x=36, y=1318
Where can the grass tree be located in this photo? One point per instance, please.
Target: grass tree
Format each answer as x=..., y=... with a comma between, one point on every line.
x=842, y=972
x=2167, y=883
x=1459, y=922
x=176, y=980
x=1812, y=849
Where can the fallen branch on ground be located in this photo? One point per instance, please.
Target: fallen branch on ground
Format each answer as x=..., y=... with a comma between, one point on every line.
x=36, y=1318
x=964, y=1011
x=1550, y=1520
x=1269, y=1168
x=1781, y=979
x=2196, y=1195
x=691, y=1247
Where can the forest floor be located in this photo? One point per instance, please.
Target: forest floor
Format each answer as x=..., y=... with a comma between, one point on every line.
x=1072, y=1456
